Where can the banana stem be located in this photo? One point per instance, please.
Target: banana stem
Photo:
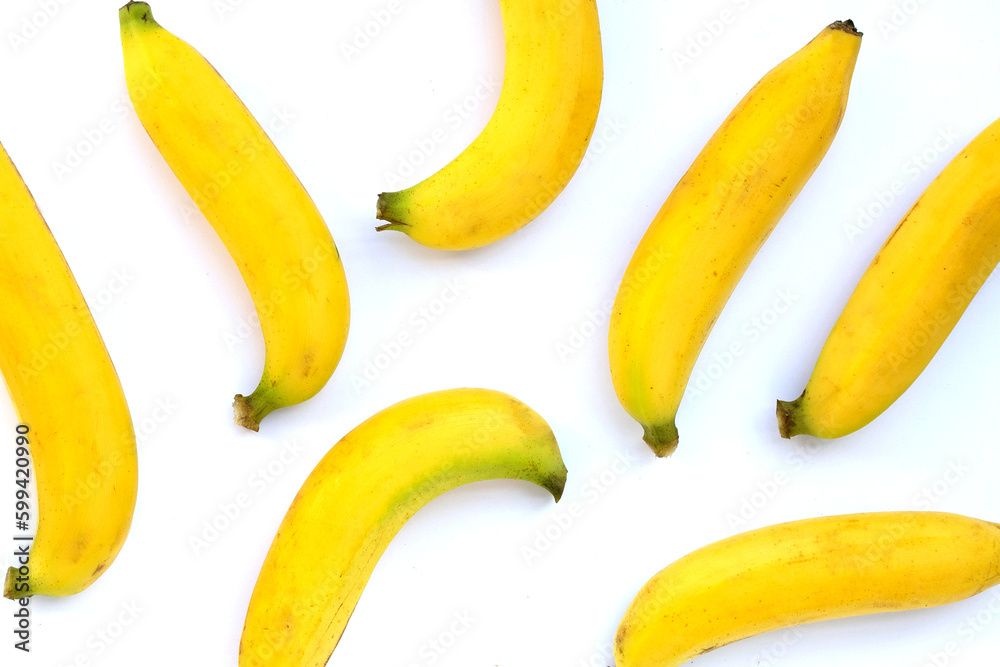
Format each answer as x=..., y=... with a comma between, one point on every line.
x=662, y=438
x=386, y=209
x=248, y=411
x=392, y=226
x=135, y=15
x=847, y=26
x=787, y=423
x=8, y=585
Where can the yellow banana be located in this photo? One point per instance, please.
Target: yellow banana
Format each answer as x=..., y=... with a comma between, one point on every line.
x=714, y=222
x=533, y=144
x=909, y=299
x=360, y=495
x=258, y=207
x=67, y=395
x=805, y=571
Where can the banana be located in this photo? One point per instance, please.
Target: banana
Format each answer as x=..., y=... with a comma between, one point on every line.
x=909, y=299
x=532, y=145
x=67, y=395
x=806, y=571
x=714, y=222
x=257, y=206
x=360, y=495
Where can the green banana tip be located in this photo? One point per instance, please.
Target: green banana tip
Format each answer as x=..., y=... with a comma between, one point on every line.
x=662, y=438
x=136, y=14
x=385, y=209
x=556, y=485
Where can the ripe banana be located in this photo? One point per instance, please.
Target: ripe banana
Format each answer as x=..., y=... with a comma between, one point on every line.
x=909, y=299
x=533, y=144
x=360, y=495
x=258, y=207
x=714, y=222
x=806, y=571
x=66, y=392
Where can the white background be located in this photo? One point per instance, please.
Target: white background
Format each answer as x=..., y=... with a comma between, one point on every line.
x=355, y=122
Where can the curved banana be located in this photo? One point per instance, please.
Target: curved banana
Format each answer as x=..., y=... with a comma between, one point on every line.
x=66, y=392
x=360, y=495
x=909, y=299
x=532, y=145
x=806, y=571
x=256, y=205
x=714, y=222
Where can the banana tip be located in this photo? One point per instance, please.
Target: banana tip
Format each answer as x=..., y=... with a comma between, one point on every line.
x=556, y=486
x=787, y=425
x=847, y=26
x=244, y=414
x=8, y=585
x=385, y=209
x=142, y=10
x=380, y=207
x=662, y=439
